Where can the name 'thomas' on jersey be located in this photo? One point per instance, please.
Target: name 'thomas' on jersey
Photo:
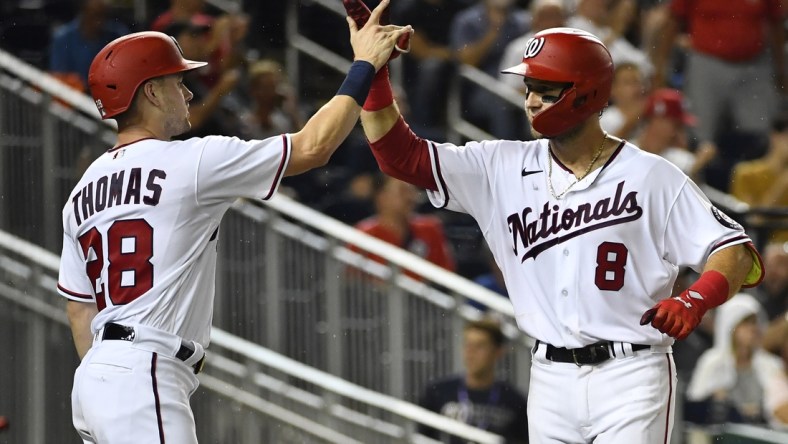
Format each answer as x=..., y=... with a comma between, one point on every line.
x=583, y=268
x=140, y=228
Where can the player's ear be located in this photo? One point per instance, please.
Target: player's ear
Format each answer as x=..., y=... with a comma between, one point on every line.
x=150, y=92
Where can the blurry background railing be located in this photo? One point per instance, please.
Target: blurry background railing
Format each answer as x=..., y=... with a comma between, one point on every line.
x=249, y=393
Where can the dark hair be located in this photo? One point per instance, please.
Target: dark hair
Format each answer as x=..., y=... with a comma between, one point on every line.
x=489, y=326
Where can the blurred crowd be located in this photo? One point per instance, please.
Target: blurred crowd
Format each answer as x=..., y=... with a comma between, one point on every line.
x=702, y=83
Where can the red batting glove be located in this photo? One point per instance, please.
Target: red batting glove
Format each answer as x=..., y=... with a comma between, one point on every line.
x=360, y=13
x=679, y=315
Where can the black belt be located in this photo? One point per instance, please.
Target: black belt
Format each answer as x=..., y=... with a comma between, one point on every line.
x=589, y=355
x=113, y=331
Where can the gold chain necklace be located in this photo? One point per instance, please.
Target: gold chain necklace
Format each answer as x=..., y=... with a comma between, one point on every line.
x=578, y=179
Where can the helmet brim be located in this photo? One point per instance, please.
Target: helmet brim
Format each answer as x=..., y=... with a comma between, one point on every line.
x=519, y=69
x=191, y=64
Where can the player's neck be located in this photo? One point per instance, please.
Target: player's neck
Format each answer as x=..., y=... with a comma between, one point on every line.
x=132, y=134
x=577, y=150
x=480, y=381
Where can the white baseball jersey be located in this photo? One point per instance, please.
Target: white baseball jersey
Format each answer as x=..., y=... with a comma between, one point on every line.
x=140, y=228
x=585, y=267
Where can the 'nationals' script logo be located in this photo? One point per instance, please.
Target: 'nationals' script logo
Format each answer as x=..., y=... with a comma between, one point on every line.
x=528, y=228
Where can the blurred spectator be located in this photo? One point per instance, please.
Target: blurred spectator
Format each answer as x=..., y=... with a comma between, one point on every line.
x=763, y=182
x=665, y=120
x=476, y=397
x=544, y=14
x=732, y=80
x=274, y=109
x=76, y=43
x=210, y=111
x=182, y=11
x=628, y=96
x=773, y=291
x=479, y=36
x=396, y=222
x=430, y=64
x=730, y=379
x=610, y=20
x=777, y=395
x=224, y=42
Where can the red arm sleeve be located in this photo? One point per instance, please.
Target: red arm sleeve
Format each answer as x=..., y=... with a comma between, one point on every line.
x=404, y=155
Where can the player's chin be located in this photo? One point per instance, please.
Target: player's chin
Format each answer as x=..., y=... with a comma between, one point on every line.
x=183, y=128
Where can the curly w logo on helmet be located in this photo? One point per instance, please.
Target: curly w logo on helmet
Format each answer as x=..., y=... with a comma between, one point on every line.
x=533, y=47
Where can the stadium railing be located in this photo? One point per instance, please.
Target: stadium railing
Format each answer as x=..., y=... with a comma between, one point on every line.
x=248, y=392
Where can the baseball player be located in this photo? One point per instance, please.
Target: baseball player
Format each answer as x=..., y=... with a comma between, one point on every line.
x=590, y=233
x=140, y=230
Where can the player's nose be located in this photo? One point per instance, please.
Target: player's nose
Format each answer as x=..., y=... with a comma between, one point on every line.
x=533, y=101
x=188, y=95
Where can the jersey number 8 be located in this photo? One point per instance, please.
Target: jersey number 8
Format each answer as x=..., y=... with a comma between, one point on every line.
x=611, y=258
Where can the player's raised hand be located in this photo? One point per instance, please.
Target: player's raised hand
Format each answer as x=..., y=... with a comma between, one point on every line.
x=360, y=13
x=372, y=41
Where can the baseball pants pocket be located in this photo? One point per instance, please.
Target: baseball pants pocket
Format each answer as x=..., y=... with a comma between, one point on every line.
x=142, y=398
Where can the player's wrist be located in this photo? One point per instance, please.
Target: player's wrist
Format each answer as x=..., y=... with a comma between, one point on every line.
x=709, y=291
x=358, y=81
x=380, y=93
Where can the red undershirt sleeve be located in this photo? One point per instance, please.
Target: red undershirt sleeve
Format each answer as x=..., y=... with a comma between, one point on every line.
x=404, y=155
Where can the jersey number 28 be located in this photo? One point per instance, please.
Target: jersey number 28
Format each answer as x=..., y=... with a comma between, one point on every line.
x=129, y=270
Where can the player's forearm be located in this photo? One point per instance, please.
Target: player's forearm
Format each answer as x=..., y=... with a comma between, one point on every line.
x=80, y=315
x=377, y=124
x=403, y=155
x=734, y=263
x=313, y=146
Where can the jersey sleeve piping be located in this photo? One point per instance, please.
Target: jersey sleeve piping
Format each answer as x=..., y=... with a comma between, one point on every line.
x=442, y=192
x=282, y=163
x=73, y=295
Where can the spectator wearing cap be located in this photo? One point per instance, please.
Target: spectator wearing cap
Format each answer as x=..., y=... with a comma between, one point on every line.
x=182, y=11
x=210, y=111
x=763, y=182
x=665, y=131
x=75, y=44
x=224, y=42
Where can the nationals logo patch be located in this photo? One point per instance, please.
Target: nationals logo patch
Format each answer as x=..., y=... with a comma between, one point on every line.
x=533, y=47
x=725, y=220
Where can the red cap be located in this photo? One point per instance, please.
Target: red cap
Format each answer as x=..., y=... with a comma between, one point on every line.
x=667, y=102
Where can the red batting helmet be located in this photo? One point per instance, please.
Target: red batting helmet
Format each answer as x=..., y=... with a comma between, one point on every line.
x=568, y=55
x=126, y=62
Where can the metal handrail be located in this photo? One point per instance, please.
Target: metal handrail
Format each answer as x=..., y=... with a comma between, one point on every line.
x=257, y=353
